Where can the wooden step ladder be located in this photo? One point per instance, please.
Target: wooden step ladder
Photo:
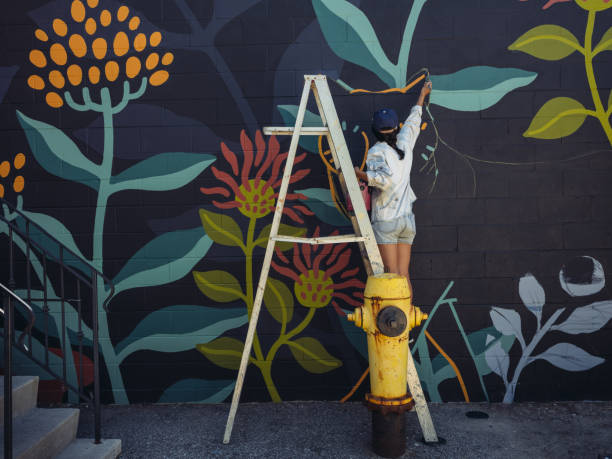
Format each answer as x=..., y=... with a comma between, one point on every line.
x=360, y=220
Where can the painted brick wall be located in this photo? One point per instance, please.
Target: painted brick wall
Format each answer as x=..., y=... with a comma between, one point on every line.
x=514, y=187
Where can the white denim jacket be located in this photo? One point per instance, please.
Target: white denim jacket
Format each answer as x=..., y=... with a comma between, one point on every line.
x=390, y=176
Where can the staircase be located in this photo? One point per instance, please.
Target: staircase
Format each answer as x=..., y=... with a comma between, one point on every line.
x=49, y=432
x=49, y=312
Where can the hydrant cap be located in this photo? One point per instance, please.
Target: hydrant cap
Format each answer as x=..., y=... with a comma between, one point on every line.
x=387, y=285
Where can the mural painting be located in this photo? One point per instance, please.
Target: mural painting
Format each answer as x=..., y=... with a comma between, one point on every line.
x=151, y=115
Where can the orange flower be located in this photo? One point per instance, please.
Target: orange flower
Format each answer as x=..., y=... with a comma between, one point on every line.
x=76, y=54
x=256, y=197
x=18, y=182
x=319, y=276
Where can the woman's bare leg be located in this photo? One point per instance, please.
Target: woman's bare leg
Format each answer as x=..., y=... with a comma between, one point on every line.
x=388, y=252
x=404, y=251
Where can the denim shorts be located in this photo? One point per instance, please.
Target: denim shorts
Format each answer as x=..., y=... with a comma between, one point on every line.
x=399, y=231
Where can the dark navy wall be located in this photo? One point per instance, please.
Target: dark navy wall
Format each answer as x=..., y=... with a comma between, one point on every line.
x=132, y=131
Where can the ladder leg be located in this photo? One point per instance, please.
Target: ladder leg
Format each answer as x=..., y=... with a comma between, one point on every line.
x=263, y=277
x=248, y=344
x=429, y=431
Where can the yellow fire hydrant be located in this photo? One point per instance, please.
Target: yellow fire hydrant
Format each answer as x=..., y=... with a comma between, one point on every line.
x=387, y=316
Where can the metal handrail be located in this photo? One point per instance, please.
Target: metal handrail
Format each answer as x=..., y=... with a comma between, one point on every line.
x=11, y=216
x=28, y=328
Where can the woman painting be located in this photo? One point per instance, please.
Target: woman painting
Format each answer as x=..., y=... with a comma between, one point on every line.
x=388, y=171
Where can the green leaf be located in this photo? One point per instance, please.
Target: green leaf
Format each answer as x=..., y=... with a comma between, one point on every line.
x=278, y=299
x=351, y=36
x=57, y=153
x=549, y=42
x=285, y=230
x=605, y=44
x=610, y=101
x=56, y=229
x=166, y=258
x=559, y=117
x=222, y=229
x=307, y=142
x=312, y=356
x=477, y=88
x=224, y=352
x=195, y=390
x=178, y=328
x=321, y=203
x=219, y=286
x=163, y=172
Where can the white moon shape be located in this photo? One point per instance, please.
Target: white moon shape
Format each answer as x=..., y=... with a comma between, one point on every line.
x=582, y=276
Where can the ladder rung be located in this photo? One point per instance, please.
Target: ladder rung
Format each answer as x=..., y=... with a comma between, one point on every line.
x=320, y=240
x=284, y=130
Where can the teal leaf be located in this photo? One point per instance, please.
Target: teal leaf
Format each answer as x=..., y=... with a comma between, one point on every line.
x=163, y=172
x=179, y=328
x=165, y=259
x=351, y=36
x=57, y=153
x=477, y=88
x=319, y=201
x=56, y=229
x=424, y=156
x=23, y=365
x=49, y=321
x=355, y=336
x=198, y=391
x=307, y=142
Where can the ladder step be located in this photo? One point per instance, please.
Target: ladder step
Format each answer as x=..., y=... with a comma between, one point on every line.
x=284, y=130
x=320, y=240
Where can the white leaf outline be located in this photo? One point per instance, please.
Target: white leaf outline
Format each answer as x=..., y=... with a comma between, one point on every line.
x=498, y=360
x=569, y=357
x=585, y=319
x=532, y=294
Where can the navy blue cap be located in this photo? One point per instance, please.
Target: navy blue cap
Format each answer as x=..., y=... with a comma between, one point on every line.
x=384, y=119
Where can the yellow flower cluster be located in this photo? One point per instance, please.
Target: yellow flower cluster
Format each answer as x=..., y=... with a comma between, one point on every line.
x=5, y=170
x=99, y=58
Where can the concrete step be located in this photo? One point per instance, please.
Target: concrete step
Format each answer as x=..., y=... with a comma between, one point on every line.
x=86, y=448
x=25, y=391
x=43, y=433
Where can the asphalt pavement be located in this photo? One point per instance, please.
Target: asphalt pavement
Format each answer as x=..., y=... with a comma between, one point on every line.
x=343, y=430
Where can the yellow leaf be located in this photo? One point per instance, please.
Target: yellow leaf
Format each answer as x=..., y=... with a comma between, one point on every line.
x=312, y=356
x=549, y=42
x=559, y=117
x=224, y=352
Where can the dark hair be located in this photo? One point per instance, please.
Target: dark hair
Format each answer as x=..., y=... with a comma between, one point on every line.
x=390, y=138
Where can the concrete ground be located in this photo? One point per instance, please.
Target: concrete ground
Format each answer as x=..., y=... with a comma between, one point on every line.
x=334, y=430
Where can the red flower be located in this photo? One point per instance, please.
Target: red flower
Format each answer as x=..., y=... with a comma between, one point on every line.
x=256, y=197
x=319, y=275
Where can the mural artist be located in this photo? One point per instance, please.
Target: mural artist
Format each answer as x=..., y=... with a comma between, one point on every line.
x=388, y=170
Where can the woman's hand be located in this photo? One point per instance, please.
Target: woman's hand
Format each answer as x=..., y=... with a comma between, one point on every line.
x=361, y=175
x=425, y=91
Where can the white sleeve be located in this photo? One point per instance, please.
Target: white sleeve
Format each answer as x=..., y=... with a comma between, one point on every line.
x=379, y=173
x=407, y=136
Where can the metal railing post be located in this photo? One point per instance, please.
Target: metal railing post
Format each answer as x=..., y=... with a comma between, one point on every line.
x=8, y=360
x=94, y=326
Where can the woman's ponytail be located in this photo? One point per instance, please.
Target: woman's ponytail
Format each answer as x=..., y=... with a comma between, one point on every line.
x=391, y=139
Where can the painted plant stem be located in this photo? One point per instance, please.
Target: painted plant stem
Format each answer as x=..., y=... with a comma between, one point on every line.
x=451, y=304
x=207, y=36
x=526, y=356
x=404, y=53
x=108, y=351
x=600, y=111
